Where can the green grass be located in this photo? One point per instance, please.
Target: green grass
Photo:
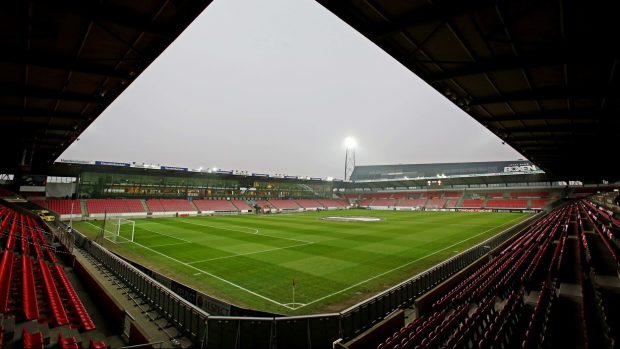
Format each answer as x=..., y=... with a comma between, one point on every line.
x=251, y=260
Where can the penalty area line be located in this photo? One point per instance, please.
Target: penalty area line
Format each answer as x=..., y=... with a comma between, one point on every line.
x=249, y=253
x=156, y=232
x=245, y=232
x=215, y=277
x=172, y=244
x=170, y=236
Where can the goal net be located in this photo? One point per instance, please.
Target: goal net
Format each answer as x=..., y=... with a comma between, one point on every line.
x=119, y=230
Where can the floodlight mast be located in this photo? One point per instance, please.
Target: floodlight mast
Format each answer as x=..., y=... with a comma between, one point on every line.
x=349, y=157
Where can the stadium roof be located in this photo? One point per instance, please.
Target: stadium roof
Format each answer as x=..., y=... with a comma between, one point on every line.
x=541, y=75
x=484, y=180
x=441, y=170
x=72, y=169
x=63, y=62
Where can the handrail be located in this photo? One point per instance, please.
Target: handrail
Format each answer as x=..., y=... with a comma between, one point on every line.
x=144, y=345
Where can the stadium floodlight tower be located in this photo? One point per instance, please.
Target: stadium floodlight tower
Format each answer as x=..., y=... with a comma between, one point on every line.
x=349, y=157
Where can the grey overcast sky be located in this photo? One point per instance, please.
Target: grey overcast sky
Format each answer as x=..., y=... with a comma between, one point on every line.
x=275, y=86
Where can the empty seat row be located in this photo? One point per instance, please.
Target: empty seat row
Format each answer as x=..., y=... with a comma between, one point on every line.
x=58, y=309
x=593, y=216
x=33, y=285
x=32, y=340
x=84, y=320
x=308, y=204
x=29, y=293
x=506, y=203
x=169, y=205
x=6, y=273
x=215, y=205
x=95, y=206
x=333, y=203
x=284, y=204
x=61, y=206
x=486, y=309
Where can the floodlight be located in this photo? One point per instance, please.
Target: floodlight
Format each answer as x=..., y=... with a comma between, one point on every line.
x=350, y=142
x=349, y=157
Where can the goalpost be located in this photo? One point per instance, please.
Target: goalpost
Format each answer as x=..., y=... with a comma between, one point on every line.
x=119, y=230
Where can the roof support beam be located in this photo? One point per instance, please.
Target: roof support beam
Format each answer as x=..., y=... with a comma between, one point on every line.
x=108, y=13
x=555, y=57
x=546, y=94
x=43, y=93
x=562, y=138
x=40, y=113
x=573, y=114
x=556, y=129
x=440, y=11
x=44, y=60
x=30, y=128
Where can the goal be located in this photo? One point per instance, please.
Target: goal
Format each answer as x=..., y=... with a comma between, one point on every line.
x=119, y=230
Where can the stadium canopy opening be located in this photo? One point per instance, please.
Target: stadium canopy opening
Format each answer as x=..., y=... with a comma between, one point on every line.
x=541, y=75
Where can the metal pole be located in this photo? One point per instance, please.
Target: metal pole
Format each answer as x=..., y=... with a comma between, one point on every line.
x=71, y=216
x=346, y=161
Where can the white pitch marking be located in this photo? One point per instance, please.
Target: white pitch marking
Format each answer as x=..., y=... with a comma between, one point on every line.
x=213, y=275
x=453, y=224
x=299, y=305
x=248, y=253
x=245, y=232
x=197, y=274
x=216, y=277
x=116, y=242
x=404, y=265
x=255, y=231
x=173, y=244
x=170, y=236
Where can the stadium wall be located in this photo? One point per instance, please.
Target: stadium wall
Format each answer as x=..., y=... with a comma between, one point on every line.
x=211, y=305
x=174, y=214
x=113, y=215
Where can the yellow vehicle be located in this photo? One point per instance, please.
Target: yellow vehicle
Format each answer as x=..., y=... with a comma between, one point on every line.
x=45, y=215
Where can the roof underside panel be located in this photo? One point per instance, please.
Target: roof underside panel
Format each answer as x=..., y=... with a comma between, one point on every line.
x=540, y=74
x=63, y=62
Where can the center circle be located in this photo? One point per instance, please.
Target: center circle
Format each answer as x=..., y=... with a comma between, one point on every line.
x=351, y=219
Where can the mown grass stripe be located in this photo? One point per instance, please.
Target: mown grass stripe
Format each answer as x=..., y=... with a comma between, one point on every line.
x=335, y=264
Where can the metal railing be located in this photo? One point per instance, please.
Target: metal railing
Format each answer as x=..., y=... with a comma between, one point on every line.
x=187, y=317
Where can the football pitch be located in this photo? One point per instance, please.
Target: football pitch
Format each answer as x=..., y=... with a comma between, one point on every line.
x=254, y=260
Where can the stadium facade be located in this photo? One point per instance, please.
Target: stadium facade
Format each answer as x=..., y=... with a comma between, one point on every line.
x=104, y=179
x=442, y=170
